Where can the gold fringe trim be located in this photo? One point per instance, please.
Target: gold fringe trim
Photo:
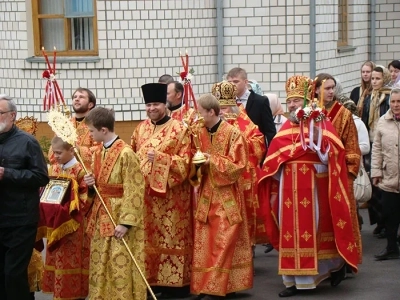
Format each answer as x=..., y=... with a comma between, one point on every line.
x=304, y=254
x=54, y=235
x=298, y=272
x=328, y=256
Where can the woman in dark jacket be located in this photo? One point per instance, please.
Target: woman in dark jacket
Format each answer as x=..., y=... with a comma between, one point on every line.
x=365, y=88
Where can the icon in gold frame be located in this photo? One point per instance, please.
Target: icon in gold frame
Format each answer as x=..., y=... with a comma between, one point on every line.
x=55, y=191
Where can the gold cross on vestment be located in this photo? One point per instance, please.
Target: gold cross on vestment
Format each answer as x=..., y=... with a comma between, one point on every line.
x=341, y=223
x=338, y=197
x=287, y=236
x=288, y=203
x=305, y=202
x=306, y=236
x=304, y=169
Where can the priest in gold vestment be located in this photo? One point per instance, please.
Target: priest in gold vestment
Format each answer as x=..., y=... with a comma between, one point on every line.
x=116, y=173
x=163, y=146
x=222, y=261
x=309, y=222
x=83, y=100
x=342, y=121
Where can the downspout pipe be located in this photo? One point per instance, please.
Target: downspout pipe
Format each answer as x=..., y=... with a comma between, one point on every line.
x=372, y=39
x=220, y=40
x=313, y=40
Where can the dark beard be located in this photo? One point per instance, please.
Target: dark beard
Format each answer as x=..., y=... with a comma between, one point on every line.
x=81, y=110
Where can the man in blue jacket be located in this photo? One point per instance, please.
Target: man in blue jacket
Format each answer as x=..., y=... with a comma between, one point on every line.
x=22, y=172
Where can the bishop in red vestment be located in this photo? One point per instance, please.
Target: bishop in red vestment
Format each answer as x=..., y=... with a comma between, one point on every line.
x=310, y=221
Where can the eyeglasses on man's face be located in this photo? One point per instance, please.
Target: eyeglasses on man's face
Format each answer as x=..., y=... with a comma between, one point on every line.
x=4, y=112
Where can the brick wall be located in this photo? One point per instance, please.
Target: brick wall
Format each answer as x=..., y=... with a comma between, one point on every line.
x=345, y=66
x=138, y=42
x=141, y=40
x=387, y=31
x=270, y=39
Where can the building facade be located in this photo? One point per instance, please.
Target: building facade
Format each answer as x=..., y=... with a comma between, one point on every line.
x=113, y=47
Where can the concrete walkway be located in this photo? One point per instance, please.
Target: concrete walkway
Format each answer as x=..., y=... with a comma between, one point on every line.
x=375, y=280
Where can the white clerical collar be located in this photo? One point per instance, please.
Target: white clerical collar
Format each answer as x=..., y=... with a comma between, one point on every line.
x=109, y=143
x=69, y=164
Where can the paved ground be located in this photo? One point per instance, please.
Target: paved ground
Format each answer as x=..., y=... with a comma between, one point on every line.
x=375, y=280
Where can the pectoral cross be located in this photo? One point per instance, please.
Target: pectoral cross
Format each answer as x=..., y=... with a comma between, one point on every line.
x=293, y=149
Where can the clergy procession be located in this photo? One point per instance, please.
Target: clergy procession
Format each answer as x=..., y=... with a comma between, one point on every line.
x=177, y=211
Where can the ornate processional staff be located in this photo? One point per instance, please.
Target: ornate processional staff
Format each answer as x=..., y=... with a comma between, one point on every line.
x=64, y=128
x=194, y=126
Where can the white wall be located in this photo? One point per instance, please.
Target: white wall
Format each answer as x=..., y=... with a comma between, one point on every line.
x=141, y=40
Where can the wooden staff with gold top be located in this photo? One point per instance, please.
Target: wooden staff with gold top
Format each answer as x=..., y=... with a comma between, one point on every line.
x=63, y=127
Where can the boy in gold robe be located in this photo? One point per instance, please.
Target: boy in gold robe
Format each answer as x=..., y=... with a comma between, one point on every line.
x=116, y=172
x=222, y=261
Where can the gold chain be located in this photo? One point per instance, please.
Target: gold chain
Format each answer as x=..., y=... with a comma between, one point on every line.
x=294, y=142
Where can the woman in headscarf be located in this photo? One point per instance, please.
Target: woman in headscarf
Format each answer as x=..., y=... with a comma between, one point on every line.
x=365, y=88
x=376, y=104
x=394, y=69
x=255, y=87
x=277, y=110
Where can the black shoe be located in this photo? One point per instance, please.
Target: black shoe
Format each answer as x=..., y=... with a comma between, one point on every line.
x=288, y=292
x=349, y=270
x=269, y=248
x=338, y=276
x=382, y=234
x=212, y=297
x=378, y=229
x=387, y=254
x=166, y=295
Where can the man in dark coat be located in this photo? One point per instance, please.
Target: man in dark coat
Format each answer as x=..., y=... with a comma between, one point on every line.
x=23, y=171
x=256, y=106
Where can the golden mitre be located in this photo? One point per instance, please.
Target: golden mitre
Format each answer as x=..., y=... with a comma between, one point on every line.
x=27, y=124
x=225, y=92
x=296, y=87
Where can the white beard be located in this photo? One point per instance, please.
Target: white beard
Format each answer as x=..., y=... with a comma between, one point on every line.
x=3, y=126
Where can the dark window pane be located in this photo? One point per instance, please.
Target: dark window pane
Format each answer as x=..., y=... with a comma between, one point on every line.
x=82, y=33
